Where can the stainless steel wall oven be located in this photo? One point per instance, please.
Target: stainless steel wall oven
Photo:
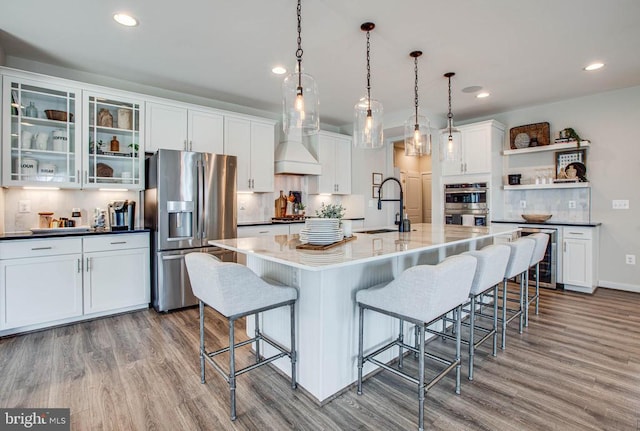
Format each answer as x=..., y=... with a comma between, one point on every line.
x=466, y=204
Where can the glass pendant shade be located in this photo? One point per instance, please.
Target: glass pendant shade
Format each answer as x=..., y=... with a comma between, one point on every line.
x=367, y=124
x=417, y=136
x=300, y=104
x=450, y=145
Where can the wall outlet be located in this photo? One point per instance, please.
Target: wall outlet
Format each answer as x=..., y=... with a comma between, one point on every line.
x=620, y=204
x=630, y=259
x=523, y=204
x=24, y=206
x=572, y=205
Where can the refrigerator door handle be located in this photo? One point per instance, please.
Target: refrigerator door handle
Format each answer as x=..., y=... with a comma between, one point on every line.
x=201, y=202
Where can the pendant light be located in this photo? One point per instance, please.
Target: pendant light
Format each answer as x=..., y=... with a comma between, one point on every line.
x=417, y=134
x=450, y=138
x=300, y=95
x=367, y=124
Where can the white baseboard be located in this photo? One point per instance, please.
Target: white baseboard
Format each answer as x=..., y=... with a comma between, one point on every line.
x=619, y=286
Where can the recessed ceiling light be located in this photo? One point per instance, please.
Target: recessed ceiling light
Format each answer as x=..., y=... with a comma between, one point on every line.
x=126, y=20
x=483, y=95
x=279, y=70
x=594, y=66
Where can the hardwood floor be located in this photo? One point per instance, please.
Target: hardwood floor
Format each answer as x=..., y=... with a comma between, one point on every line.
x=577, y=367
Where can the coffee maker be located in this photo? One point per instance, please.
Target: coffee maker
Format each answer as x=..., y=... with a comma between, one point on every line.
x=122, y=215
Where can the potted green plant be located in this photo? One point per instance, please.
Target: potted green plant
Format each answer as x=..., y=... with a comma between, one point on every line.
x=331, y=211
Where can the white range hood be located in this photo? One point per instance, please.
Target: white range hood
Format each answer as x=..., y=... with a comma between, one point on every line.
x=292, y=157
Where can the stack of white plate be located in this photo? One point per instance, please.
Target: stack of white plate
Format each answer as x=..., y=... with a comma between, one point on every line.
x=321, y=231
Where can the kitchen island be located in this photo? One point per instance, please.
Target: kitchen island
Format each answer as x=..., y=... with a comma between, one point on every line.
x=327, y=280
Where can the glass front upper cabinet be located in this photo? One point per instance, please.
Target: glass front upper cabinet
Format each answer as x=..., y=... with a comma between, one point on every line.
x=112, y=141
x=40, y=138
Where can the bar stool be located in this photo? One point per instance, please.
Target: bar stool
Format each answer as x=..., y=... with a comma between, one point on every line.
x=420, y=295
x=492, y=264
x=235, y=291
x=541, y=239
x=519, y=259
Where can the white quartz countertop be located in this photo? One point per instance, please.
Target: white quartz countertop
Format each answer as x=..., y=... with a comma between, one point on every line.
x=364, y=248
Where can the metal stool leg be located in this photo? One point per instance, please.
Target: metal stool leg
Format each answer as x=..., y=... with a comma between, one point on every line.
x=360, y=347
x=232, y=369
x=257, y=335
x=202, y=378
x=294, y=381
x=458, y=342
x=401, y=340
x=472, y=324
x=495, y=320
x=524, y=283
x=537, y=286
x=504, y=313
x=421, y=386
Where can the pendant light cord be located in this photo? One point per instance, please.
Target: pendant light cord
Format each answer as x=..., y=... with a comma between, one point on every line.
x=450, y=115
x=368, y=74
x=299, y=50
x=416, y=89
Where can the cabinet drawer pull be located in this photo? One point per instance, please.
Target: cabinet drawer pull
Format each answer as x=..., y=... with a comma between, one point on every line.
x=264, y=231
x=79, y=266
x=576, y=233
x=118, y=242
x=88, y=263
x=41, y=248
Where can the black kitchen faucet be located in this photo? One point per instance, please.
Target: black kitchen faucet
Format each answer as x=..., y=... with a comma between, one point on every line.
x=401, y=200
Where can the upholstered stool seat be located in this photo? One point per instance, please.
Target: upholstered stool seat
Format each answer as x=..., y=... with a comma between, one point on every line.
x=519, y=259
x=420, y=295
x=235, y=291
x=541, y=239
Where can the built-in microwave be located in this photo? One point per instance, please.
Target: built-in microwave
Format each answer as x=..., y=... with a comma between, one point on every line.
x=466, y=204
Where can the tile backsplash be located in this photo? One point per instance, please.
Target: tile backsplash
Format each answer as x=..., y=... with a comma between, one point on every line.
x=558, y=202
x=256, y=207
x=60, y=202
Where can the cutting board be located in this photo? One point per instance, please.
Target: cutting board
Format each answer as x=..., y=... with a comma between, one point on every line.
x=324, y=247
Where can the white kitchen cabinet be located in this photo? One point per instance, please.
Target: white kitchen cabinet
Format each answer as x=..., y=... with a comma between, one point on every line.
x=179, y=127
x=128, y=254
x=51, y=281
x=38, y=151
x=263, y=230
x=109, y=118
x=252, y=142
x=481, y=142
x=41, y=282
x=580, y=263
x=334, y=154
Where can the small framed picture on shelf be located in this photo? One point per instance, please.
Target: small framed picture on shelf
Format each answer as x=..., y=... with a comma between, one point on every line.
x=374, y=191
x=571, y=165
x=376, y=178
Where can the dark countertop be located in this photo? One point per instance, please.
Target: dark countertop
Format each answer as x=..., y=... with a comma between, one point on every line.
x=62, y=234
x=266, y=223
x=565, y=223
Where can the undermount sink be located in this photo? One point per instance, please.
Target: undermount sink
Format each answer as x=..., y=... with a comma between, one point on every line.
x=378, y=231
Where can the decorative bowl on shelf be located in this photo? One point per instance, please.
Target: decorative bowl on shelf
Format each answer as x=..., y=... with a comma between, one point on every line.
x=52, y=114
x=536, y=218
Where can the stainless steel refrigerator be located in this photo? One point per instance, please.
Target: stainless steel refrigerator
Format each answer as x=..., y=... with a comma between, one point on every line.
x=190, y=198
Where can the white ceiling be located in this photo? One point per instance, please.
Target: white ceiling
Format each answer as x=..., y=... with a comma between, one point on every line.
x=523, y=52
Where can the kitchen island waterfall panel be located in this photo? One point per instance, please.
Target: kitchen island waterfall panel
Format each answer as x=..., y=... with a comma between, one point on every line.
x=327, y=317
